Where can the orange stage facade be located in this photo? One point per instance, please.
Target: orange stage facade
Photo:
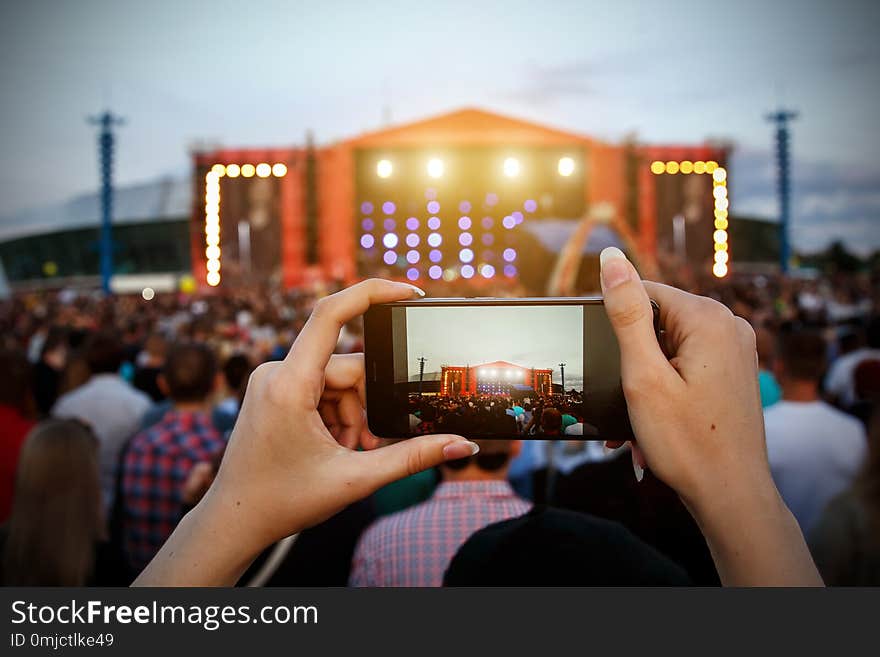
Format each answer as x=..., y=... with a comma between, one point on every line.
x=496, y=378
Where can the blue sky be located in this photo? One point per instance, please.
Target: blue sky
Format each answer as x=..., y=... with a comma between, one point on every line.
x=266, y=72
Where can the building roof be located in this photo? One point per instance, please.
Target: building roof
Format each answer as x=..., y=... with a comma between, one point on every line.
x=167, y=199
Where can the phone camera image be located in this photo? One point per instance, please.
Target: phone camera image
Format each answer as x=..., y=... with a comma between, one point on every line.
x=490, y=371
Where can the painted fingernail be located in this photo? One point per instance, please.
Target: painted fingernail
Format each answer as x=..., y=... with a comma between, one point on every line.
x=614, y=267
x=416, y=290
x=460, y=449
x=638, y=470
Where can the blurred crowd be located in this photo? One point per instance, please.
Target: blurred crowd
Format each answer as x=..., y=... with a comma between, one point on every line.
x=115, y=411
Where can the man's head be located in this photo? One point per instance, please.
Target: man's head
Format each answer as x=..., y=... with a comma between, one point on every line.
x=801, y=357
x=551, y=421
x=765, y=342
x=236, y=371
x=15, y=384
x=189, y=374
x=104, y=353
x=489, y=464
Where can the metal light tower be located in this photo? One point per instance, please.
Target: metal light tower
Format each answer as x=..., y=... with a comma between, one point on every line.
x=781, y=118
x=562, y=369
x=105, y=153
x=422, y=361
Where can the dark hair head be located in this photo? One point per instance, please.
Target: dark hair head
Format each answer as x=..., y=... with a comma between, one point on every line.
x=235, y=370
x=104, y=353
x=802, y=354
x=56, y=337
x=493, y=455
x=551, y=420
x=16, y=380
x=189, y=372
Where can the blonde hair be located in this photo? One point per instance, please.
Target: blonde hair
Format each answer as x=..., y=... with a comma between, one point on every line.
x=56, y=517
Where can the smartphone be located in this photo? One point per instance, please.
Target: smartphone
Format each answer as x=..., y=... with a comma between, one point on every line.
x=541, y=368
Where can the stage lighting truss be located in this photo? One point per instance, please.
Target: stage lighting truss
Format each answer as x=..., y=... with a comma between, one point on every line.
x=721, y=266
x=212, y=207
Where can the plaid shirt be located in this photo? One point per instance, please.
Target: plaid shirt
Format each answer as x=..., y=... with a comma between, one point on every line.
x=155, y=468
x=414, y=547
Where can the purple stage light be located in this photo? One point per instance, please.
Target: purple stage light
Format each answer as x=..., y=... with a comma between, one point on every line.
x=435, y=272
x=508, y=222
x=368, y=241
x=433, y=207
x=434, y=239
x=368, y=224
x=509, y=271
x=435, y=255
x=517, y=216
x=390, y=257
x=390, y=240
x=465, y=239
x=487, y=222
x=412, y=274
x=464, y=206
x=367, y=207
x=389, y=224
x=487, y=271
x=412, y=240
x=491, y=199
x=388, y=207
x=509, y=255
x=434, y=223
x=467, y=271
x=530, y=206
x=412, y=257
x=412, y=223
x=464, y=223
x=430, y=194
x=466, y=255
x=488, y=239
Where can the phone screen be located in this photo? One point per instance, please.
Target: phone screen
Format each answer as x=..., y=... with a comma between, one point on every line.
x=490, y=371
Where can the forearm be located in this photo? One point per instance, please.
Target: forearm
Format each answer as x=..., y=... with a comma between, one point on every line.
x=211, y=546
x=755, y=540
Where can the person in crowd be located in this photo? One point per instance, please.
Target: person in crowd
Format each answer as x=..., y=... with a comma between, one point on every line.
x=158, y=460
x=846, y=540
x=413, y=547
x=814, y=450
x=555, y=547
x=236, y=371
x=16, y=409
x=698, y=425
x=769, y=387
x=148, y=366
x=56, y=529
x=112, y=407
x=49, y=369
x=840, y=380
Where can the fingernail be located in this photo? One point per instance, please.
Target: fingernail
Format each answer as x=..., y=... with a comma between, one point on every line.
x=614, y=267
x=416, y=290
x=637, y=469
x=460, y=449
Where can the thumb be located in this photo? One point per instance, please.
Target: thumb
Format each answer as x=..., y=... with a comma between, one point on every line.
x=412, y=455
x=629, y=311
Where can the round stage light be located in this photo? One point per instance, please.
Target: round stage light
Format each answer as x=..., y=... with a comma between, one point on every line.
x=511, y=167
x=212, y=239
x=687, y=166
x=279, y=169
x=388, y=207
x=212, y=252
x=434, y=223
x=212, y=265
x=722, y=257
x=464, y=206
x=390, y=257
x=435, y=167
x=487, y=222
x=368, y=241
x=509, y=255
x=433, y=207
x=488, y=239
x=248, y=170
x=412, y=240
x=384, y=168
x=530, y=205
x=565, y=166
x=412, y=223
x=213, y=278
x=672, y=167
x=721, y=204
x=466, y=255
x=464, y=223
x=491, y=199
x=389, y=224
x=434, y=239
x=148, y=293
x=412, y=274
x=699, y=166
x=711, y=165
x=263, y=170
x=657, y=167
x=721, y=224
x=435, y=255
x=720, y=247
x=720, y=191
x=368, y=224
x=720, y=270
x=467, y=271
x=719, y=175
x=435, y=272
x=487, y=271
x=390, y=240
x=465, y=239
x=449, y=275
x=233, y=170
x=517, y=216
x=509, y=271
x=412, y=257
x=219, y=170
x=720, y=236
x=366, y=207
x=508, y=222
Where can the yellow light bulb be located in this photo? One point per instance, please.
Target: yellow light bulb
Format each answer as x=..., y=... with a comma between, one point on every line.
x=672, y=167
x=658, y=167
x=279, y=170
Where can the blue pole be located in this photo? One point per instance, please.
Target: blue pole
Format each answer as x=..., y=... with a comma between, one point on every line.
x=105, y=151
x=781, y=118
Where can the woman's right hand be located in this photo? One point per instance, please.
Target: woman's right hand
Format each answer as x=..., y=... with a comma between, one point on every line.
x=698, y=422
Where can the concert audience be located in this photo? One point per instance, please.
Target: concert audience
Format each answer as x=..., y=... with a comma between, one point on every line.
x=840, y=381
x=49, y=369
x=16, y=408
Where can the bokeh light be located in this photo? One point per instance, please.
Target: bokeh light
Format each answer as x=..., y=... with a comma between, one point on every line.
x=509, y=255
x=433, y=207
x=658, y=167
x=412, y=223
x=368, y=241
x=390, y=257
x=412, y=240
x=464, y=223
x=508, y=222
x=384, y=168
x=233, y=170
x=487, y=222
x=434, y=223
x=530, y=205
x=465, y=239
x=390, y=240
x=434, y=239
x=368, y=224
x=213, y=278
x=719, y=269
x=412, y=257
x=263, y=170
x=248, y=170
x=435, y=167
x=366, y=207
x=467, y=271
x=388, y=207
x=488, y=239
x=279, y=169
x=565, y=166
x=511, y=167
x=491, y=199
x=466, y=255
x=487, y=271
x=412, y=273
x=510, y=271
x=435, y=255
x=464, y=206
x=435, y=272
x=389, y=224
x=148, y=293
